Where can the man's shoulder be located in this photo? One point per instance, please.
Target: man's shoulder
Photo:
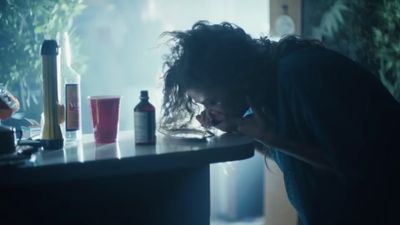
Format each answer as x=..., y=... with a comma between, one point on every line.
x=313, y=65
x=309, y=59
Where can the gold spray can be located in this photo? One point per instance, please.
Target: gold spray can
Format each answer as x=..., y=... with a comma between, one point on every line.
x=52, y=137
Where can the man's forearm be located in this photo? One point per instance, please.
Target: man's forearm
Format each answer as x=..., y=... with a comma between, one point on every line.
x=303, y=152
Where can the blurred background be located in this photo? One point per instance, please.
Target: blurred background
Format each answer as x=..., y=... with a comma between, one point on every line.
x=117, y=49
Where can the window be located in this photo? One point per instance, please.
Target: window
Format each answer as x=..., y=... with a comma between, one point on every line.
x=121, y=41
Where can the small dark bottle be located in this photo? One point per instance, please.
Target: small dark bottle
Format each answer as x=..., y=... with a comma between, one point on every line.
x=145, y=121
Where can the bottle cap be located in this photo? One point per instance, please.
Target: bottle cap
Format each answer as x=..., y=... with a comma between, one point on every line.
x=144, y=94
x=49, y=47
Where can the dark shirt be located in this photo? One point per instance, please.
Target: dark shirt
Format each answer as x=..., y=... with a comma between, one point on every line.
x=330, y=102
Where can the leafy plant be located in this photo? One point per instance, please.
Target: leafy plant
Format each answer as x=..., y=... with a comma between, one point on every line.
x=347, y=26
x=24, y=25
x=331, y=21
x=387, y=44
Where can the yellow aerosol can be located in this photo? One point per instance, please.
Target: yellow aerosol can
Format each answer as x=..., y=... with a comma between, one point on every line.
x=52, y=137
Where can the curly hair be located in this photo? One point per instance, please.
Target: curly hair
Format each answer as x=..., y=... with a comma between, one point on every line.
x=215, y=55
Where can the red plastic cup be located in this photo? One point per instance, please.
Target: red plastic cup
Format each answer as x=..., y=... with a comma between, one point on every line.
x=105, y=117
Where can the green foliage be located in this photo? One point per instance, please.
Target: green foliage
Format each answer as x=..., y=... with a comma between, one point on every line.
x=367, y=32
x=24, y=25
x=387, y=44
x=331, y=20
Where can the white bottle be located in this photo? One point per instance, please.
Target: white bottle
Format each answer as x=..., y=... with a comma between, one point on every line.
x=284, y=24
x=71, y=94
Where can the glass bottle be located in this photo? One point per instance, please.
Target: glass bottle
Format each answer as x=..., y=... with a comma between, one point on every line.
x=144, y=120
x=284, y=24
x=70, y=94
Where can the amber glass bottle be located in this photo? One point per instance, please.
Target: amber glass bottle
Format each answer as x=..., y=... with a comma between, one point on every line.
x=145, y=120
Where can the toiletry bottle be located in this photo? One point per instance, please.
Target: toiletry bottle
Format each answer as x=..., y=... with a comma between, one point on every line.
x=70, y=93
x=145, y=121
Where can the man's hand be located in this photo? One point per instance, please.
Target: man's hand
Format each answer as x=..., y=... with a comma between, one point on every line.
x=258, y=126
x=255, y=127
x=212, y=118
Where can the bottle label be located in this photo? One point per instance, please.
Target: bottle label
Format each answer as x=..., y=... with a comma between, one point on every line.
x=72, y=107
x=145, y=127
